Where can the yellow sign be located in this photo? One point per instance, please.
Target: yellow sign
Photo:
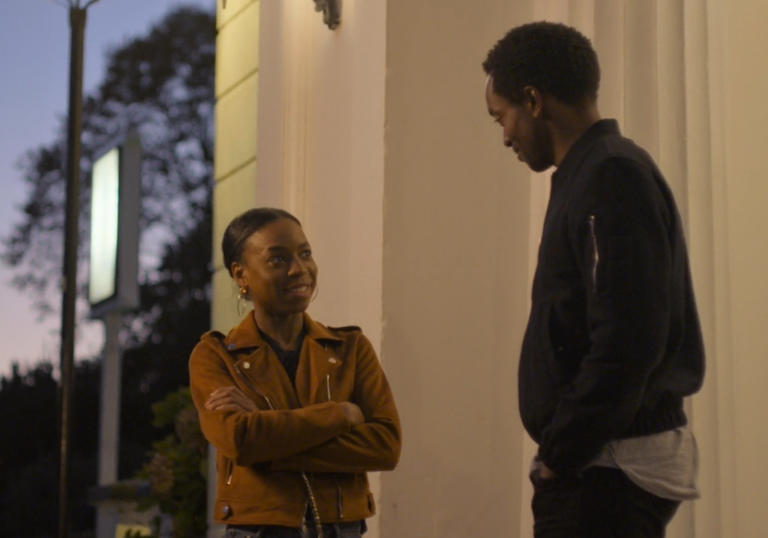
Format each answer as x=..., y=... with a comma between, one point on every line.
x=122, y=530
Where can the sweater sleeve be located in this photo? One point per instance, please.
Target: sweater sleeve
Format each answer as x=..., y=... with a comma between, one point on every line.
x=371, y=446
x=620, y=237
x=263, y=435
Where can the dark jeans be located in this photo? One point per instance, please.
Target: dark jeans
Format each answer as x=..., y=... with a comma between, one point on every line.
x=331, y=530
x=601, y=503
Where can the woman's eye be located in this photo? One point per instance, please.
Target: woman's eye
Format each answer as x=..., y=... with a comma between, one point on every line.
x=276, y=260
x=306, y=254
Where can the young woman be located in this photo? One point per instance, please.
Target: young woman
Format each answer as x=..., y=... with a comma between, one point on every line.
x=297, y=411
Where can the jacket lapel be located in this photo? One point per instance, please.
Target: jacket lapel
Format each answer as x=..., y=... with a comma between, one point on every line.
x=257, y=363
x=258, y=366
x=317, y=362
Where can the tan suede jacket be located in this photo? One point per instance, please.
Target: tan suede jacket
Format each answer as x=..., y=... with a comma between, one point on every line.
x=261, y=455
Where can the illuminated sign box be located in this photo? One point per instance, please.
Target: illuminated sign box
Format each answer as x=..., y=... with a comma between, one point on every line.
x=105, y=209
x=114, y=230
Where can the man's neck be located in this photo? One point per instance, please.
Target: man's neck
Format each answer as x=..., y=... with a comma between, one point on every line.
x=568, y=124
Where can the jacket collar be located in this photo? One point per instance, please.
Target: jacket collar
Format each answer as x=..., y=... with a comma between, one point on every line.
x=246, y=334
x=582, y=146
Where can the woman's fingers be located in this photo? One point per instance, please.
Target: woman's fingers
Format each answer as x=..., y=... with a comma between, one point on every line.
x=353, y=413
x=229, y=399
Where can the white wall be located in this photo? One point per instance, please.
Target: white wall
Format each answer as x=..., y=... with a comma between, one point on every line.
x=455, y=275
x=321, y=150
x=746, y=197
x=426, y=228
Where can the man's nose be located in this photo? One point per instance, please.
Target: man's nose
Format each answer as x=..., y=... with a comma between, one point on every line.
x=507, y=141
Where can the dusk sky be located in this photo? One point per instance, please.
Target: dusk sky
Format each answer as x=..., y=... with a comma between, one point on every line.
x=34, y=40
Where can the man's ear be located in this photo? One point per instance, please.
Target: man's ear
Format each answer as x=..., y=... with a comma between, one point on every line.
x=533, y=100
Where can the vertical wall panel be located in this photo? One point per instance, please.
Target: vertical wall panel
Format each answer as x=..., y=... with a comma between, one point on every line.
x=641, y=74
x=455, y=274
x=719, y=408
x=671, y=85
x=746, y=132
x=234, y=159
x=321, y=153
x=671, y=111
x=608, y=41
x=711, y=431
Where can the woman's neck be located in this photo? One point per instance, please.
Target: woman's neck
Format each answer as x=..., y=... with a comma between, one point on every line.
x=283, y=329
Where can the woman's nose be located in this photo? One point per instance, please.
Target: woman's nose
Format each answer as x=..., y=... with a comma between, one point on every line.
x=298, y=266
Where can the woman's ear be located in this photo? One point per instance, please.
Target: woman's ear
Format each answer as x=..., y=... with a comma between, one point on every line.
x=238, y=274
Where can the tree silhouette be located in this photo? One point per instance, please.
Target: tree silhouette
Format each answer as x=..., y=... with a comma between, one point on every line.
x=29, y=458
x=161, y=84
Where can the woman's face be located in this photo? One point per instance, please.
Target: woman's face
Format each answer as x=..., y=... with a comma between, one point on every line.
x=277, y=268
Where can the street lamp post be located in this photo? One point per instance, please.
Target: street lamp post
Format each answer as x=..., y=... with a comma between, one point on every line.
x=77, y=16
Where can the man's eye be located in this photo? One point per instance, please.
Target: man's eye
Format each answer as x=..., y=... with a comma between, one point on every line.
x=306, y=254
x=276, y=260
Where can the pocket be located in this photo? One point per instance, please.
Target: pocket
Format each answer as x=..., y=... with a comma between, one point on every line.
x=349, y=530
x=537, y=379
x=239, y=533
x=556, y=499
x=543, y=483
x=225, y=468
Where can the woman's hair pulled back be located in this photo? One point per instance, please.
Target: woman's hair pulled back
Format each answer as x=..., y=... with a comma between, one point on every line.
x=241, y=228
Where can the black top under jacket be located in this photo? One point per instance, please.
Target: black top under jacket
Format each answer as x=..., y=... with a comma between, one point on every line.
x=288, y=358
x=613, y=342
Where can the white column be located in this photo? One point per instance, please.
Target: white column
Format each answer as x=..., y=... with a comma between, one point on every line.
x=109, y=420
x=109, y=431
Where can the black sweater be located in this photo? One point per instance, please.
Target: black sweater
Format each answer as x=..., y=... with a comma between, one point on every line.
x=613, y=342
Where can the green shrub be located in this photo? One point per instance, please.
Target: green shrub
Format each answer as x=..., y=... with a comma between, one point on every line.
x=177, y=467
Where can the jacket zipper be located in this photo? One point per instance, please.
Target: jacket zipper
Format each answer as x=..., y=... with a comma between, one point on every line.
x=339, y=497
x=259, y=393
x=229, y=471
x=254, y=389
x=313, y=504
x=595, y=252
x=311, y=497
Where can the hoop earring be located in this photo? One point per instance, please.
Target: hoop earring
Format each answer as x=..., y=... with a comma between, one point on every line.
x=242, y=297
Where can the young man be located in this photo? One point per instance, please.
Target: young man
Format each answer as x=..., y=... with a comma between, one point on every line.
x=613, y=342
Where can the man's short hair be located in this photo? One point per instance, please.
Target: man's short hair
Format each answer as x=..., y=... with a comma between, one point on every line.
x=554, y=58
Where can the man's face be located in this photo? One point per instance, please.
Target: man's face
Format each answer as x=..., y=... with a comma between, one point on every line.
x=522, y=129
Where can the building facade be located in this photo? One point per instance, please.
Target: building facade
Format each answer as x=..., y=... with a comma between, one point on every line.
x=425, y=228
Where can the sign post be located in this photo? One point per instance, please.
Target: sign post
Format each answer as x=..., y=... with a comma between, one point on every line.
x=113, y=286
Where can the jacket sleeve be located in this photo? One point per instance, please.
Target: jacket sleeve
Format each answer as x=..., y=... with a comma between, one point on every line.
x=620, y=235
x=263, y=435
x=371, y=446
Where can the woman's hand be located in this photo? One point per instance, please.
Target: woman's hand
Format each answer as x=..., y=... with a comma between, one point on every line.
x=353, y=413
x=229, y=399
